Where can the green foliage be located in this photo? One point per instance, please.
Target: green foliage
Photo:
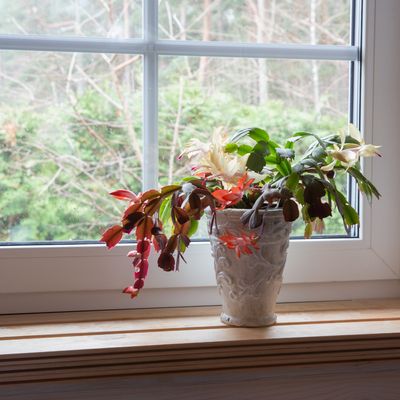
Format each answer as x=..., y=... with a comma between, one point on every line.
x=311, y=179
x=56, y=175
x=54, y=181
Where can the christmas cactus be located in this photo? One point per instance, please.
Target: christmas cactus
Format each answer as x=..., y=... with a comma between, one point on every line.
x=245, y=171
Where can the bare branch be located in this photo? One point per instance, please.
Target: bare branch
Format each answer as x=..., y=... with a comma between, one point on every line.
x=172, y=154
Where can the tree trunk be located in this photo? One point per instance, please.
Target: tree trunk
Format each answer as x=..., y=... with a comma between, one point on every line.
x=206, y=37
x=262, y=62
x=127, y=76
x=172, y=154
x=314, y=65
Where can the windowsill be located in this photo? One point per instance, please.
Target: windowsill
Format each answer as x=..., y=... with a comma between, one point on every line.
x=128, y=342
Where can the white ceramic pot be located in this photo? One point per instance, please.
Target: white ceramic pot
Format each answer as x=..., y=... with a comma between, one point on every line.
x=250, y=285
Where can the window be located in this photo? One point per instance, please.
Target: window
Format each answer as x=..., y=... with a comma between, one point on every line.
x=98, y=95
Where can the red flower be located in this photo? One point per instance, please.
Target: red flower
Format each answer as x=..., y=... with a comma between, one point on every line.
x=112, y=236
x=241, y=244
x=125, y=195
x=234, y=195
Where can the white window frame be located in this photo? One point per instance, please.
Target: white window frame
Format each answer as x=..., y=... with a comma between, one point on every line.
x=55, y=278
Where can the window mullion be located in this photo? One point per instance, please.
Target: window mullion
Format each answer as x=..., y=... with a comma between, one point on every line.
x=71, y=44
x=150, y=96
x=257, y=50
x=355, y=100
x=177, y=48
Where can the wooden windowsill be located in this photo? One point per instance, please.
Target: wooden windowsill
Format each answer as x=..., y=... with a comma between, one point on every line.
x=128, y=342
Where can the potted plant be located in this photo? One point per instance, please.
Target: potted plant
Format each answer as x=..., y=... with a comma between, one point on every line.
x=251, y=189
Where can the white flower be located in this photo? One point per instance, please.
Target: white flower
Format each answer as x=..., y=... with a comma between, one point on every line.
x=349, y=153
x=369, y=150
x=212, y=159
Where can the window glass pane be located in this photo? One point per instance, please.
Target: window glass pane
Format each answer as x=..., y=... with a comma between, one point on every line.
x=262, y=21
x=111, y=18
x=284, y=96
x=70, y=132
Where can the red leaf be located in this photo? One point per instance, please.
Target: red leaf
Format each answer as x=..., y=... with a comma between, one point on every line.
x=159, y=242
x=153, y=205
x=290, y=210
x=194, y=201
x=132, y=220
x=131, y=210
x=124, y=195
x=166, y=261
x=133, y=254
x=186, y=240
x=172, y=244
x=143, y=230
x=132, y=291
x=180, y=215
x=138, y=284
x=143, y=247
x=141, y=270
x=182, y=229
x=150, y=194
x=136, y=261
x=112, y=236
x=167, y=190
x=157, y=230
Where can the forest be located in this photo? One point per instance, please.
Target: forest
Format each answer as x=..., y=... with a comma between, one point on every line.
x=71, y=123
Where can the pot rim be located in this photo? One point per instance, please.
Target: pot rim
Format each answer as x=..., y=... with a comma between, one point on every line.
x=242, y=210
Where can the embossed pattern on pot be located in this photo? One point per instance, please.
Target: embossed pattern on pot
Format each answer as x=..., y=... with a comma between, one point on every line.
x=249, y=285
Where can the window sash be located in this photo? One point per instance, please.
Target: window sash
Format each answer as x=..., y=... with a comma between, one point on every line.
x=179, y=47
x=151, y=48
x=91, y=269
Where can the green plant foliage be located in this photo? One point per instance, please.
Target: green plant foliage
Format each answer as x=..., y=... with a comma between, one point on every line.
x=30, y=212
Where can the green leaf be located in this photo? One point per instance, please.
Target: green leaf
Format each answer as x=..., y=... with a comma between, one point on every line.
x=286, y=166
x=292, y=181
x=298, y=168
x=272, y=146
x=244, y=149
x=306, y=134
x=240, y=134
x=299, y=195
x=182, y=246
x=258, y=134
x=262, y=148
x=165, y=211
x=304, y=213
x=194, y=224
x=255, y=162
x=289, y=144
x=285, y=153
x=318, y=153
x=309, y=161
x=308, y=231
x=350, y=215
x=271, y=159
x=365, y=185
x=190, y=178
x=231, y=148
x=281, y=169
x=351, y=140
x=167, y=190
